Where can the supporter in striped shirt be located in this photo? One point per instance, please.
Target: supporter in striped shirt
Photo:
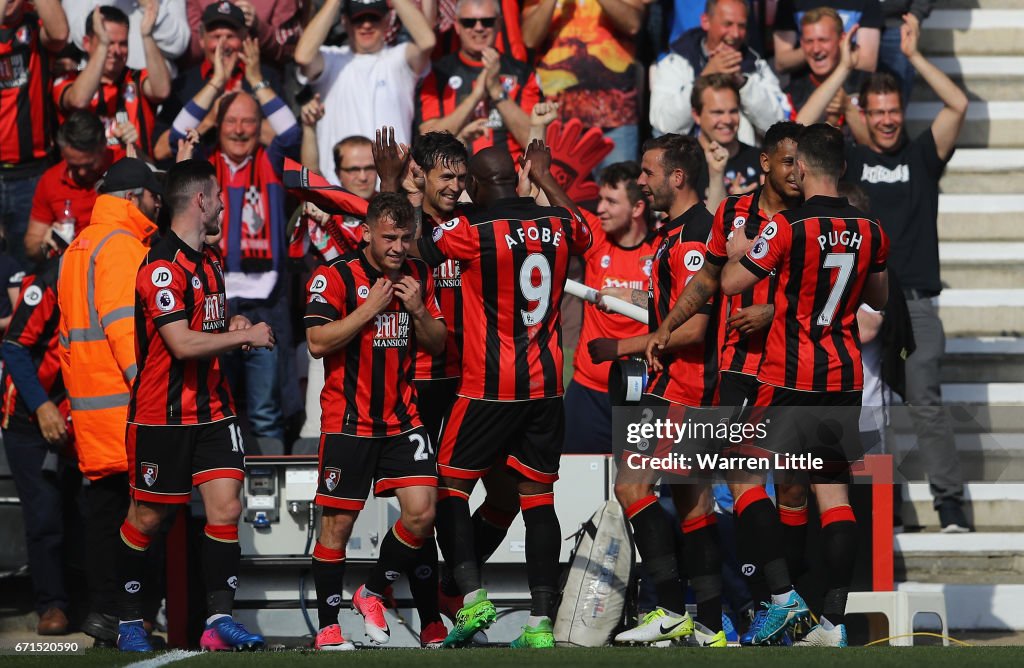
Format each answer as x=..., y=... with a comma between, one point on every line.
x=36, y=428
x=30, y=34
x=107, y=88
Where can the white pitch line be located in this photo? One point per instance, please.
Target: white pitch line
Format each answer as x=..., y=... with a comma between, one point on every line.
x=164, y=659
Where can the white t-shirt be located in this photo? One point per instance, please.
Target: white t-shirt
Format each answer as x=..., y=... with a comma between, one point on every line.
x=362, y=92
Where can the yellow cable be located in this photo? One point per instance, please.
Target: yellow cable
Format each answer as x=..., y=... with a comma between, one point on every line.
x=961, y=643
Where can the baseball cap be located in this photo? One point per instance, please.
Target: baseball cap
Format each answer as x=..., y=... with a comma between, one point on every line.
x=224, y=12
x=128, y=174
x=378, y=8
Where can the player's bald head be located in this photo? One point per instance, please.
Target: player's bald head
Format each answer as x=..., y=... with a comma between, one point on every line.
x=493, y=166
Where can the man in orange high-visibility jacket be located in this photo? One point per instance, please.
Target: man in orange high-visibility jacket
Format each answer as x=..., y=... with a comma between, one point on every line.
x=96, y=294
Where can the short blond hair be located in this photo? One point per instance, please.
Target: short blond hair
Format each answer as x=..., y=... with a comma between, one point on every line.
x=820, y=14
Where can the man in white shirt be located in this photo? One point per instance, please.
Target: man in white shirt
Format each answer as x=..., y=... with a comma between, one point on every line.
x=366, y=84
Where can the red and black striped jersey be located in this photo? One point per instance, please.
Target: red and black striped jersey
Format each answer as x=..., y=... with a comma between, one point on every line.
x=514, y=259
x=739, y=214
x=177, y=282
x=111, y=97
x=448, y=286
x=34, y=328
x=691, y=373
x=822, y=252
x=26, y=111
x=368, y=388
x=609, y=265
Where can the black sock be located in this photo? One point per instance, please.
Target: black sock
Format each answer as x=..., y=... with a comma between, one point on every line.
x=655, y=540
x=794, y=539
x=746, y=553
x=757, y=517
x=543, y=539
x=131, y=567
x=455, y=537
x=704, y=564
x=490, y=526
x=221, y=554
x=398, y=552
x=839, y=544
x=329, y=579
x=423, y=582
x=448, y=584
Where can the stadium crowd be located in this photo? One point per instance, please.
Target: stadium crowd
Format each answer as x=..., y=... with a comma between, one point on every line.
x=344, y=227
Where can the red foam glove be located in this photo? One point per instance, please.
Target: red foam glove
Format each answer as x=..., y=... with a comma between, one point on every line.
x=574, y=155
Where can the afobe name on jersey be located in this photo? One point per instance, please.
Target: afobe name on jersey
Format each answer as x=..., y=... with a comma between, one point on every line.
x=541, y=234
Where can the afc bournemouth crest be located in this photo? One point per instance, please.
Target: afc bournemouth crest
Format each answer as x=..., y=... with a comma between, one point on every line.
x=149, y=473
x=332, y=477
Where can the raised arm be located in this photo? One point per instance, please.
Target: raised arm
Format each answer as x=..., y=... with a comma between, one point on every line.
x=307, y=51
x=54, y=34
x=310, y=115
x=819, y=100
x=516, y=121
x=626, y=15
x=417, y=51
x=950, y=119
x=80, y=93
x=536, y=21
x=157, y=86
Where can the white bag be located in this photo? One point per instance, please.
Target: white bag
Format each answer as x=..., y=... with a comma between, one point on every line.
x=600, y=577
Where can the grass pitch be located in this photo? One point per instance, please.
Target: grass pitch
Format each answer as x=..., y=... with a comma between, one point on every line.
x=610, y=657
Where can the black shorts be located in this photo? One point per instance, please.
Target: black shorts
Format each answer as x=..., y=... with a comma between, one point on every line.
x=736, y=390
x=164, y=463
x=350, y=464
x=818, y=425
x=433, y=399
x=526, y=436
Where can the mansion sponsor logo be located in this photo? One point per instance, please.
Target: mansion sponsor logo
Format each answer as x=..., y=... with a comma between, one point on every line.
x=392, y=329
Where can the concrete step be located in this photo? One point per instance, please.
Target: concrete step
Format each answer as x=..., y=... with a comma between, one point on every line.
x=968, y=217
x=976, y=265
x=988, y=506
x=991, y=78
x=973, y=31
x=986, y=312
x=983, y=359
x=981, y=171
x=988, y=124
x=984, y=394
x=974, y=558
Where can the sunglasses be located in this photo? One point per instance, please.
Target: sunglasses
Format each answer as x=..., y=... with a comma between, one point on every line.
x=485, y=22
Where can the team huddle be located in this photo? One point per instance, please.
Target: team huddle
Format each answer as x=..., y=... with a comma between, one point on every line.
x=442, y=344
